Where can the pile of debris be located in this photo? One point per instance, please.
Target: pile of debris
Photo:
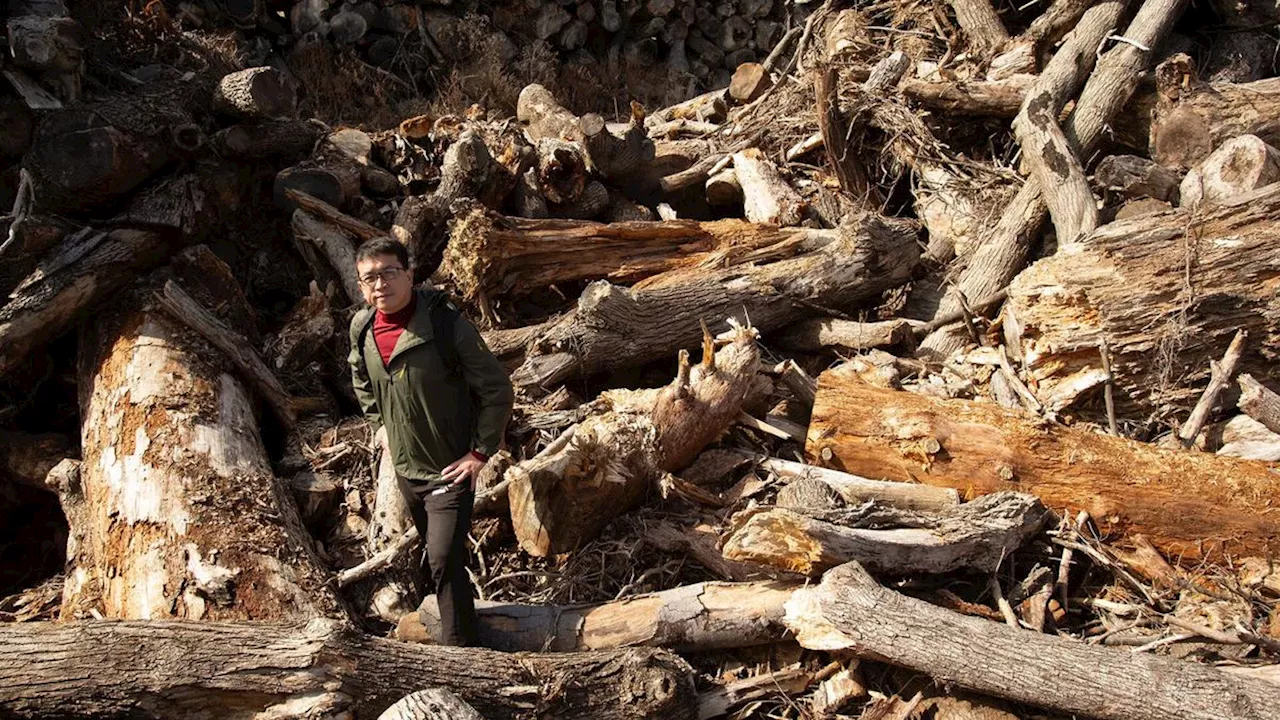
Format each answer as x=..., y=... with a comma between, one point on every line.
x=906, y=374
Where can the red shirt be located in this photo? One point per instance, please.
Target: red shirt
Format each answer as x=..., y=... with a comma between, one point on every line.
x=388, y=328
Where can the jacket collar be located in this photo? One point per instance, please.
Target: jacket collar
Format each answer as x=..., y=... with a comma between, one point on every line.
x=419, y=330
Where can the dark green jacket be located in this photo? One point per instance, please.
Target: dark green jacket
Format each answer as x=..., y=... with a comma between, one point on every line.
x=433, y=416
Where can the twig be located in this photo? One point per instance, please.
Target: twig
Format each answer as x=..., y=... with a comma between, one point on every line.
x=1220, y=375
x=958, y=315
x=1108, y=389
x=1005, y=608
x=1029, y=400
x=384, y=559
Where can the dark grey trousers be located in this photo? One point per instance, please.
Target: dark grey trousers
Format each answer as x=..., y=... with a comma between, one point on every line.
x=443, y=521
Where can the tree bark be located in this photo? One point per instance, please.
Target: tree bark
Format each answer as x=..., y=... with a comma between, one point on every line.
x=975, y=536
x=242, y=670
x=432, y=704
x=1003, y=253
x=844, y=335
x=334, y=245
x=1136, y=177
x=836, y=138
x=851, y=611
x=1236, y=167
x=605, y=465
x=995, y=98
x=177, y=512
x=1259, y=402
x=495, y=256
x=288, y=140
x=614, y=327
x=1144, y=285
x=257, y=93
x=1192, y=117
x=766, y=197
x=857, y=490
x=981, y=25
x=27, y=458
x=1179, y=500
x=698, y=617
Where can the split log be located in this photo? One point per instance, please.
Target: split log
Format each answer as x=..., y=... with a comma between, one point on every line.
x=1135, y=177
x=336, y=183
x=1189, y=504
x=1239, y=165
x=844, y=335
x=432, y=704
x=1259, y=402
x=702, y=616
x=149, y=670
x=857, y=490
x=1126, y=286
x=1192, y=117
x=1004, y=252
x=256, y=93
x=614, y=327
x=491, y=255
x=749, y=82
x=975, y=536
x=176, y=512
x=606, y=464
x=850, y=611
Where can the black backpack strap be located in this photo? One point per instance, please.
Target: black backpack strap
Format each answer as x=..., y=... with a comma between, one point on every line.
x=444, y=323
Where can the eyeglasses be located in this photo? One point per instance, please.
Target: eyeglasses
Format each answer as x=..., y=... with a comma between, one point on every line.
x=386, y=275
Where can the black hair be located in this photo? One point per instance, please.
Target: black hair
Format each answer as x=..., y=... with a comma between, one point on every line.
x=384, y=245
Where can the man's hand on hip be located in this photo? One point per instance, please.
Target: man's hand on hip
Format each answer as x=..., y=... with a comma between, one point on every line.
x=463, y=469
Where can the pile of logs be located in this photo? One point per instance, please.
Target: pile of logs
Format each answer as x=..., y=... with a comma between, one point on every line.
x=923, y=365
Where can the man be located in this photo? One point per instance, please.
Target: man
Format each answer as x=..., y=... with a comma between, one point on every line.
x=429, y=385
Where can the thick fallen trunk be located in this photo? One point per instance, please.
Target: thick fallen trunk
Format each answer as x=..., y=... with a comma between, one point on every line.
x=850, y=611
x=976, y=536
x=614, y=327
x=1128, y=285
x=996, y=98
x=703, y=616
x=1188, y=504
x=494, y=256
x=289, y=140
x=1192, y=117
x=606, y=464
x=176, y=512
x=220, y=669
x=844, y=335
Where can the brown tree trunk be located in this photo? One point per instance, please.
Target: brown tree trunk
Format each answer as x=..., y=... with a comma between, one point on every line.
x=495, y=256
x=981, y=25
x=703, y=616
x=851, y=611
x=176, y=512
x=606, y=465
x=975, y=536
x=1179, y=500
x=1141, y=285
x=223, y=669
x=614, y=327
x=257, y=93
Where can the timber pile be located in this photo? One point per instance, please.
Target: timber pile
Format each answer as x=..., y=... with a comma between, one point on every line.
x=920, y=367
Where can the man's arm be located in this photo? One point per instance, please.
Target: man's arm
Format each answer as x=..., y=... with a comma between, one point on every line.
x=489, y=381
x=360, y=376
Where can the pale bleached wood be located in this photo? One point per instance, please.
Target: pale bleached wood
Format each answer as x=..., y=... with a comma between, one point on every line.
x=1259, y=402
x=856, y=490
x=430, y=704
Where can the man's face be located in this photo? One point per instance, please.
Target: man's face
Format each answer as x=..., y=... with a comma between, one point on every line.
x=387, y=285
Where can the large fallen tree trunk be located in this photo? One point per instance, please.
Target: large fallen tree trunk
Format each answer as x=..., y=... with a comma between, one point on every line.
x=614, y=327
x=606, y=464
x=176, y=512
x=703, y=616
x=974, y=536
x=221, y=669
x=1166, y=292
x=1188, y=504
x=850, y=611
x=1193, y=117
x=494, y=255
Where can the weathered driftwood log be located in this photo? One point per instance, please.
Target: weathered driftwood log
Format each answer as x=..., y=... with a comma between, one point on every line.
x=1259, y=402
x=176, y=512
x=996, y=98
x=1004, y=252
x=856, y=490
x=256, y=93
x=494, y=256
x=976, y=536
x=606, y=465
x=1193, y=117
x=432, y=704
x=1248, y=439
x=223, y=669
x=1126, y=286
x=1189, y=504
x=614, y=327
x=766, y=197
x=702, y=616
x=850, y=611
x=334, y=245
x=1135, y=177
x=1238, y=165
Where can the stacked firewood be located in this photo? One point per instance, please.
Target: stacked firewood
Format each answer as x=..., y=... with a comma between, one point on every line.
x=924, y=365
